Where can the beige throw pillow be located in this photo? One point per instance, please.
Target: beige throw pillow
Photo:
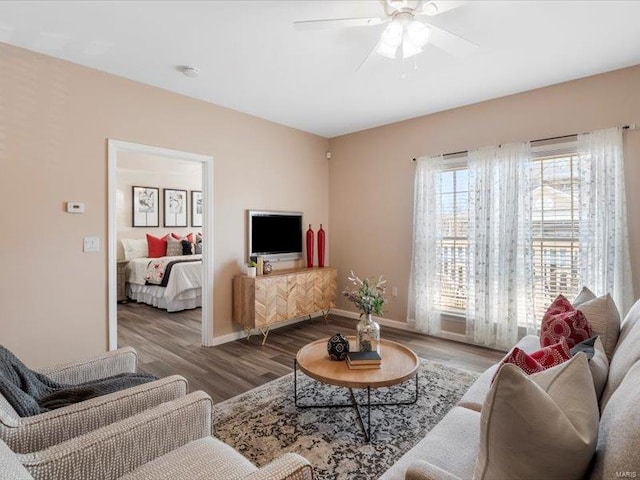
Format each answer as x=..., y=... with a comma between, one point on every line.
x=584, y=296
x=602, y=314
x=599, y=366
x=134, y=248
x=539, y=426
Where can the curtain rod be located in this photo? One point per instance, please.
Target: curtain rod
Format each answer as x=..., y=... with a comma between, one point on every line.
x=631, y=126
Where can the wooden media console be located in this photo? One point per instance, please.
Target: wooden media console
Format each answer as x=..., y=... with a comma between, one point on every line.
x=262, y=301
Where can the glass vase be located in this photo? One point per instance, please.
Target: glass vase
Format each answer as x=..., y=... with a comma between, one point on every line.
x=368, y=335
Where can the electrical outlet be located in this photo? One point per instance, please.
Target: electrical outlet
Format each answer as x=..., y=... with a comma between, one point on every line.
x=394, y=291
x=91, y=244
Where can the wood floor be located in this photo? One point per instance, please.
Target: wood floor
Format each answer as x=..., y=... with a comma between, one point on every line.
x=169, y=343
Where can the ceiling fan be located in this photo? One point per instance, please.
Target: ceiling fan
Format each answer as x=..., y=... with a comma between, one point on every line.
x=407, y=31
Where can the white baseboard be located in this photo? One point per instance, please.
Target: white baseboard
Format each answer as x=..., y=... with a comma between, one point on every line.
x=381, y=320
x=456, y=337
x=345, y=313
x=231, y=337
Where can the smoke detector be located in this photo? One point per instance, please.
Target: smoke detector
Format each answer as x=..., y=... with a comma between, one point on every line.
x=189, y=71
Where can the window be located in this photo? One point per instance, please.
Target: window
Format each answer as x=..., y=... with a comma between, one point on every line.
x=453, y=246
x=556, y=246
x=555, y=223
x=501, y=230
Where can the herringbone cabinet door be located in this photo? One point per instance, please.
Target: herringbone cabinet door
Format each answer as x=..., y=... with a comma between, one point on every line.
x=261, y=301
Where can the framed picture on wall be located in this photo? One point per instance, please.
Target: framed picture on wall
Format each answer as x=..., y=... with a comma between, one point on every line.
x=145, y=207
x=196, y=208
x=175, y=207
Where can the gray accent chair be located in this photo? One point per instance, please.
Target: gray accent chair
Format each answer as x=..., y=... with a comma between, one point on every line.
x=169, y=442
x=32, y=434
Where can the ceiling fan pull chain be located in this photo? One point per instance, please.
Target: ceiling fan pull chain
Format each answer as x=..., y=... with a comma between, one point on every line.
x=403, y=75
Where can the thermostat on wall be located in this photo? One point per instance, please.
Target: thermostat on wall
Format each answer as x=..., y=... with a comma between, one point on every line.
x=75, y=207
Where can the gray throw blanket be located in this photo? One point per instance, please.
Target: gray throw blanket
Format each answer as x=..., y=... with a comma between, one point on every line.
x=31, y=393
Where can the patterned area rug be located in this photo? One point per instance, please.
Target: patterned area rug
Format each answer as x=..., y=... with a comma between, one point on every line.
x=264, y=423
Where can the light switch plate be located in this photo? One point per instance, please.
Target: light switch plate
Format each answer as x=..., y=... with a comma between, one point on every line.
x=91, y=244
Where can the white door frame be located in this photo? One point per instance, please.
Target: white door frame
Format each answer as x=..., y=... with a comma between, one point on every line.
x=114, y=148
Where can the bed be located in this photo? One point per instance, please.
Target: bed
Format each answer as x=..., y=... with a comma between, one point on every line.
x=183, y=288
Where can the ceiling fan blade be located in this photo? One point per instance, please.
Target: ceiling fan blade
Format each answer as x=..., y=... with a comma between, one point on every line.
x=337, y=22
x=433, y=8
x=451, y=43
x=368, y=56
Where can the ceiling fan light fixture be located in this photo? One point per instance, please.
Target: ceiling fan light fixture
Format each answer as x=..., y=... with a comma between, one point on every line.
x=392, y=34
x=418, y=32
x=409, y=48
x=403, y=31
x=386, y=50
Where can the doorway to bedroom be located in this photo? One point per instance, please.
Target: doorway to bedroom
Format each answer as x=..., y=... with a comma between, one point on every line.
x=159, y=248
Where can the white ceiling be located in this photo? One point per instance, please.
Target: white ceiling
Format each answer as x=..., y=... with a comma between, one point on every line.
x=253, y=60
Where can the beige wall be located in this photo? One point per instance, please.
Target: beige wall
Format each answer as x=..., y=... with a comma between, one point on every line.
x=136, y=169
x=371, y=173
x=55, y=119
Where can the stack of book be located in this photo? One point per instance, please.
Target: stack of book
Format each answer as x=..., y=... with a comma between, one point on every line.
x=364, y=360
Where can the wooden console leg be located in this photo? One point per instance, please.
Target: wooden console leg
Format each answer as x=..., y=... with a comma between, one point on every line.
x=265, y=333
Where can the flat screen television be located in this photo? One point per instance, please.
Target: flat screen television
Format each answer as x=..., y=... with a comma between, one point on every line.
x=275, y=235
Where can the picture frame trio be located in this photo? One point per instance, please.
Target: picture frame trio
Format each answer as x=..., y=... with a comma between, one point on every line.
x=145, y=203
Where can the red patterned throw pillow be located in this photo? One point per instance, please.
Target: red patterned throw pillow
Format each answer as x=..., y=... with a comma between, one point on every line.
x=563, y=320
x=538, y=361
x=553, y=354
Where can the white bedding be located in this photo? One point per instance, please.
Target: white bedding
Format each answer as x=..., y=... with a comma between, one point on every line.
x=154, y=295
x=183, y=290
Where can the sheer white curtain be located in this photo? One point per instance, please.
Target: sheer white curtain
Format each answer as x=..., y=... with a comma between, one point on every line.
x=424, y=287
x=500, y=262
x=604, y=244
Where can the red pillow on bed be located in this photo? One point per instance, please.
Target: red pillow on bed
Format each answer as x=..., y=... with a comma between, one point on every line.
x=189, y=237
x=157, y=246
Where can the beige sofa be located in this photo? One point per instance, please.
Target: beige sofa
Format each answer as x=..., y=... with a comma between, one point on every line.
x=449, y=451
